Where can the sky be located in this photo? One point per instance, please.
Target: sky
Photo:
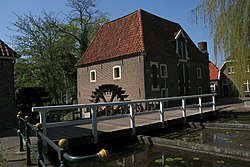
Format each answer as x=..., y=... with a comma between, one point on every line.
x=178, y=11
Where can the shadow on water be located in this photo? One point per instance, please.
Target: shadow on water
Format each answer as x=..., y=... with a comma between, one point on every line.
x=138, y=155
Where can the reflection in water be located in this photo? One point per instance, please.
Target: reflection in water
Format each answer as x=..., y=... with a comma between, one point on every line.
x=156, y=156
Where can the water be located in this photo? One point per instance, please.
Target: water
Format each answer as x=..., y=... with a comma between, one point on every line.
x=145, y=156
x=228, y=138
x=138, y=155
x=239, y=120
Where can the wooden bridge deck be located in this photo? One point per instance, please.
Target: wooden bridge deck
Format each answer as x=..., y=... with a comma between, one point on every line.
x=119, y=127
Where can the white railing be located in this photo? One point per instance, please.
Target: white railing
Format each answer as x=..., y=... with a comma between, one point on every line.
x=132, y=111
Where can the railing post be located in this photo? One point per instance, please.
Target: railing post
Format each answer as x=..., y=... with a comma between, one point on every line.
x=27, y=135
x=19, y=131
x=200, y=107
x=162, y=114
x=39, y=145
x=184, y=115
x=132, y=118
x=94, y=123
x=213, y=99
x=43, y=122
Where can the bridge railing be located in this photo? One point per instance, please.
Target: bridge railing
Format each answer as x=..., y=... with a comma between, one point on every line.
x=159, y=106
x=24, y=132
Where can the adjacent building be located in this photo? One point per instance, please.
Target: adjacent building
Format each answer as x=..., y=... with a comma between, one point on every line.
x=215, y=83
x=228, y=80
x=142, y=56
x=7, y=91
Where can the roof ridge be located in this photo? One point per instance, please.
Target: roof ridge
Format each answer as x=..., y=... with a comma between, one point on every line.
x=141, y=28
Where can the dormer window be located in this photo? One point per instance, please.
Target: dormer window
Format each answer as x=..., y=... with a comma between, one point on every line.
x=181, y=45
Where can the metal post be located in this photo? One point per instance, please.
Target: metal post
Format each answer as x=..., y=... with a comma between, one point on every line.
x=184, y=115
x=20, y=136
x=39, y=147
x=132, y=118
x=213, y=99
x=94, y=123
x=200, y=107
x=162, y=114
x=28, y=159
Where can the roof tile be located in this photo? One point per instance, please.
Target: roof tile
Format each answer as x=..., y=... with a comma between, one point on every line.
x=214, y=72
x=6, y=51
x=137, y=32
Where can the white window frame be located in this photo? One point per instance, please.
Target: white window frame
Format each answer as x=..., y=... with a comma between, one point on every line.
x=200, y=90
x=90, y=76
x=165, y=69
x=114, y=72
x=212, y=87
x=248, y=68
x=199, y=72
x=231, y=70
x=247, y=83
x=178, y=35
x=164, y=89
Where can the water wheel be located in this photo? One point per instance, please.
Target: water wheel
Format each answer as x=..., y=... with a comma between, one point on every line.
x=108, y=93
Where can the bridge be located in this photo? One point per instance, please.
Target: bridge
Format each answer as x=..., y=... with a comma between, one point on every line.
x=120, y=119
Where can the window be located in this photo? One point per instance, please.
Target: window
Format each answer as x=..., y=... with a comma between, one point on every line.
x=164, y=70
x=246, y=86
x=181, y=45
x=154, y=75
x=199, y=90
x=199, y=73
x=93, y=76
x=212, y=87
x=248, y=68
x=231, y=70
x=164, y=92
x=116, y=72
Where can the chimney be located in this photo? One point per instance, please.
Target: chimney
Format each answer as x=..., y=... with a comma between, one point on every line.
x=203, y=48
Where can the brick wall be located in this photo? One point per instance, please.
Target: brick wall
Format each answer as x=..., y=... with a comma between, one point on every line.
x=132, y=78
x=137, y=77
x=172, y=81
x=7, y=96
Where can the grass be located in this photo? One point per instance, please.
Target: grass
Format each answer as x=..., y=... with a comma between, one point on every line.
x=2, y=160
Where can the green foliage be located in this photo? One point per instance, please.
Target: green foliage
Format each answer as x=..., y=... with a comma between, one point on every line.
x=51, y=47
x=196, y=158
x=2, y=159
x=229, y=23
x=220, y=162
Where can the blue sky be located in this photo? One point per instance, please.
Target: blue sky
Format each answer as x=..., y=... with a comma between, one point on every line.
x=175, y=10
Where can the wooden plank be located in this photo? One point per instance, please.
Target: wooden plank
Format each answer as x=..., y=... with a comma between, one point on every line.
x=114, y=125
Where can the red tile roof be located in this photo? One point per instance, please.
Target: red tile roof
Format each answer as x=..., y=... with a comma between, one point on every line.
x=137, y=32
x=214, y=72
x=6, y=51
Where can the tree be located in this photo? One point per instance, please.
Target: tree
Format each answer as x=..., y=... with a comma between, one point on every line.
x=45, y=50
x=52, y=45
x=229, y=23
x=87, y=21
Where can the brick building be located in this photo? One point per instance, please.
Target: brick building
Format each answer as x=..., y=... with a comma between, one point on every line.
x=215, y=83
x=228, y=80
x=7, y=91
x=146, y=57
